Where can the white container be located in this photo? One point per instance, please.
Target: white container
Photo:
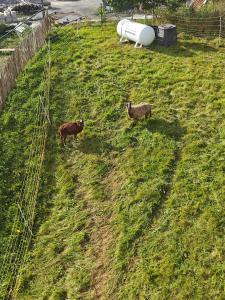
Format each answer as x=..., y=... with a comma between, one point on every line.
x=2, y=18
x=141, y=34
x=7, y=12
x=14, y=16
x=8, y=19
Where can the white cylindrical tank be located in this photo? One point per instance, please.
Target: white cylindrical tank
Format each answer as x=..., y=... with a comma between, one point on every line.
x=2, y=18
x=14, y=16
x=139, y=33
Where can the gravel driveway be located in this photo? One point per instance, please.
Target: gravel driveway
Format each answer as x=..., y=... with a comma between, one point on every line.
x=82, y=7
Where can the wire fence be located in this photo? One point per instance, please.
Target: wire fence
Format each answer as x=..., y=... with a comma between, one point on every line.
x=208, y=27
x=204, y=27
x=21, y=233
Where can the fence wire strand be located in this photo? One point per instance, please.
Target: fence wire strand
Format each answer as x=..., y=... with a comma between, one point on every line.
x=21, y=233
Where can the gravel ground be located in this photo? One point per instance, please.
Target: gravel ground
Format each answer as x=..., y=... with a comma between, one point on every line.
x=81, y=7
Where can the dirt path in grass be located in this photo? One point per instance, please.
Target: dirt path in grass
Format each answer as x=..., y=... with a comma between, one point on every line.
x=101, y=239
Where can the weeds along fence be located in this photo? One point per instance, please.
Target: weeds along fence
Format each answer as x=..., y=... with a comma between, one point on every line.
x=15, y=254
x=18, y=59
x=207, y=27
x=204, y=27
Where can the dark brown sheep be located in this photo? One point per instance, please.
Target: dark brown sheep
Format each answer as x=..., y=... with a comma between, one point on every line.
x=70, y=128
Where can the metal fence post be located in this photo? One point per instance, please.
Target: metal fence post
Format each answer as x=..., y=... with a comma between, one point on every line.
x=220, y=31
x=101, y=13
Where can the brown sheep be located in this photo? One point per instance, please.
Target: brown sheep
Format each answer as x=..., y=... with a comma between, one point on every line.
x=70, y=128
x=138, y=111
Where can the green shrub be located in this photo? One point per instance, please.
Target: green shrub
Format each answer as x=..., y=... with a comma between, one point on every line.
x=4, y=28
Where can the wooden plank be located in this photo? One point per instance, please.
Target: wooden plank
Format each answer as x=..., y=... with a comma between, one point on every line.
x=7, y=50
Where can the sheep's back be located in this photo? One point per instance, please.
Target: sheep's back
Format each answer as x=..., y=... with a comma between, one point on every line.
x=140, y=105
x=70, y=128
x=141, y=109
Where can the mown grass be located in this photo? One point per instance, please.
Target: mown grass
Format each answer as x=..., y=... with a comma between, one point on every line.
x=127, y=212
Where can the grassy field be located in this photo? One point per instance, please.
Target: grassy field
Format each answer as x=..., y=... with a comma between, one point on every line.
x=129, y=211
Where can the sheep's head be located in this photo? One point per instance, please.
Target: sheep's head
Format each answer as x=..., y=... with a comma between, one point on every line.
x=81, y=123
x=128, y=105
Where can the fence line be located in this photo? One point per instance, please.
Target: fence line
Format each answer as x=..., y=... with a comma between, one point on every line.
x=208, y=27
x=205, y=27
x=18, y=59
x=21, y=233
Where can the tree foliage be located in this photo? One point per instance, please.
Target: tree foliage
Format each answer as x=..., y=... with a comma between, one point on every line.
x=144, y=4
x=123, y=5
x=152, y=4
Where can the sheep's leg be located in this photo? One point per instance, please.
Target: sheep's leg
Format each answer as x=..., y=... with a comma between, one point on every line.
x=148, y=114
x=75, y=136
x=135, y=121
x=60, y=136
x=64, y=140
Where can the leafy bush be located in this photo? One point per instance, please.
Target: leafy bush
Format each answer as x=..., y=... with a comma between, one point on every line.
x=200, y=22
x=4, y=28
x=26, y=9
x=207, y=11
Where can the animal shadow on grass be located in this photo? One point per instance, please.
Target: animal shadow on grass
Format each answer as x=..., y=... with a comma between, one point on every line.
x=175, y=131
x=183, y=49
x=171, y=129
x=95, y=144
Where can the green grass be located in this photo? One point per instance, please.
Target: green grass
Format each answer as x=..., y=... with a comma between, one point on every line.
x=128, y=211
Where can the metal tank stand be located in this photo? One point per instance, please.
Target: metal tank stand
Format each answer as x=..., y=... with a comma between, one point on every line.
x=138, y=45
x=123, y=40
